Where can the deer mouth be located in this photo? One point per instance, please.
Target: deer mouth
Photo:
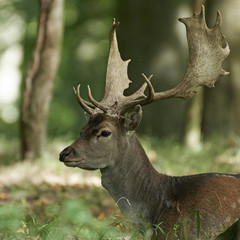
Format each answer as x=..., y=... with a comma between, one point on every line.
x=72, y=163
x=79, y=164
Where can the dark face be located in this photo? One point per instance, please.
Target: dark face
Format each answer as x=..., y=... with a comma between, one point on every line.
x=96, y=146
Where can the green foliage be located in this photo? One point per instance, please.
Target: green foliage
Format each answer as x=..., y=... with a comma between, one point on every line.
x=9, y=150
x=198, y=223
x=85, y=51
x=10, y=218
x=83, y=60
x=83, y=57
x=173, y=158
x=157, y=229
x=71, y=220
x=62, y=212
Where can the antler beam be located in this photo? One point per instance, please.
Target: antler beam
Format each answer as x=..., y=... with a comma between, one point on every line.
x=206, y=55
x=207, y=51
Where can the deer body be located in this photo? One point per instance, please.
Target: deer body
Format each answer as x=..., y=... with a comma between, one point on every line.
x=190, y=207
x=146, y=196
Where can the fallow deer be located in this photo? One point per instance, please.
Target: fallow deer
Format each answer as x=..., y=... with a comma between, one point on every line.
x=202, y=206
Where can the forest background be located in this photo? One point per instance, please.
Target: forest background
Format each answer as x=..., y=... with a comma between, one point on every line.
x=151, y=36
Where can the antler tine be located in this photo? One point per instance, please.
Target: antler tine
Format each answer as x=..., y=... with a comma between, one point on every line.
x=140, y=92
x=81, y=101
x=150, y=87
x=202, y=15
x=206, y=55
x=117, y=80
x=218, y=19
x=139, y=98
x=94, y=102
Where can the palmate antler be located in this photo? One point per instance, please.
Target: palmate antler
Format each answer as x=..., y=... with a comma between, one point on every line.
x=206, y=55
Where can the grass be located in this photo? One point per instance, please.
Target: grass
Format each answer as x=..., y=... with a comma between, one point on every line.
x=71, y=212
x=70, y=220
x=45, y=200
x=173, y=158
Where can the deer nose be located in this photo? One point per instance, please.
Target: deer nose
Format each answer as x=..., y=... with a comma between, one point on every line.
x=65, y=152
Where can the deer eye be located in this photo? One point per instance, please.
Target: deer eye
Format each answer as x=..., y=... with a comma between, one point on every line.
x=105, y=133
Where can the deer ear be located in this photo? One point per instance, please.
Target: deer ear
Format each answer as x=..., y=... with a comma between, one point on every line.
x=132, y=118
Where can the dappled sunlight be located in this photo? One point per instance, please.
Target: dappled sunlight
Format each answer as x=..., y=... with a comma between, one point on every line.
x=231, y=17
x=12, y=29
x=182, y=11
x=10, y=78
x=10, y=74
x=164, y=61
x=87, y=50
x=90, y=47
x=47, y=169
x=173, y=158
x=10, y=114
x=12, y=26
x=35, y=173
x=231, y=155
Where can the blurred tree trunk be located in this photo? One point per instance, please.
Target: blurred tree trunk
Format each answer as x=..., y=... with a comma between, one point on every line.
x=222, y=108
x=193, y=128
x=40, y=78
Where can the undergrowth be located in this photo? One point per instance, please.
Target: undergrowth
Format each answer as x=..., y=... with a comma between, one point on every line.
x=53, y=211
x=72, y=220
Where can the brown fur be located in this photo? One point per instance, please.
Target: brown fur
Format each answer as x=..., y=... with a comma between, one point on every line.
x=203, y=205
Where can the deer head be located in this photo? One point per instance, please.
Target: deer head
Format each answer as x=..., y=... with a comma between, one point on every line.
x=116, y=117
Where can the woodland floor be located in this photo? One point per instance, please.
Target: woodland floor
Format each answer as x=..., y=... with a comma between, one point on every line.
x=43, y=199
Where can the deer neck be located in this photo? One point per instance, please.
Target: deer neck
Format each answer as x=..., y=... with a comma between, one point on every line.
x=133, y=182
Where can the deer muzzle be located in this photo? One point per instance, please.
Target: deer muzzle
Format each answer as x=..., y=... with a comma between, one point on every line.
x=65, y=154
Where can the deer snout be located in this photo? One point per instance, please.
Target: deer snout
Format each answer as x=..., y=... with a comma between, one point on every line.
x=65, y=153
